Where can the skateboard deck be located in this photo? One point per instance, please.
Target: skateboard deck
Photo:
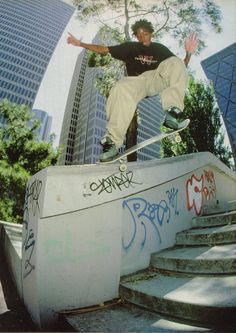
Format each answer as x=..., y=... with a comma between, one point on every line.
x=156, y=138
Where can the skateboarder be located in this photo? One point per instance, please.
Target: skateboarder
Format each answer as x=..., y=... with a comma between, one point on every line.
x=152, y=69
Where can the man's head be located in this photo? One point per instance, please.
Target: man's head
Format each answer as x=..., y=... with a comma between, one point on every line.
x=143, y=30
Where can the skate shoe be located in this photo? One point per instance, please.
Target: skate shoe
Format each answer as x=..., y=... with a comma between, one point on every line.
x=109, y=150
x=172, y=116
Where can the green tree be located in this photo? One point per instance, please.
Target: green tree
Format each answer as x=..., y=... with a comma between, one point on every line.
x=204, y=132
x=21, y=156
x=178, y=18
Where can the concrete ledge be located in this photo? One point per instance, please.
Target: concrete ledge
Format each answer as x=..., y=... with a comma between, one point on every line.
x=12, y=245
x=157, y=172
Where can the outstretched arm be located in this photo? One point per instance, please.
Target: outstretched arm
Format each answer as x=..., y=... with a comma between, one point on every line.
x=92, y=47
x=190, y=44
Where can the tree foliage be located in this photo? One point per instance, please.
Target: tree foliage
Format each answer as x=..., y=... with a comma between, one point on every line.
x=21, y=156
x=176, y=17
x=204, y=132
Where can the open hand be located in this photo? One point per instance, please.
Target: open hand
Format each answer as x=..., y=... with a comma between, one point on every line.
x=72, y=40
x=191, y=43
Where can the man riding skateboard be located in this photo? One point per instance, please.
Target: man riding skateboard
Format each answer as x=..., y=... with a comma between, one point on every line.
x=152, y=69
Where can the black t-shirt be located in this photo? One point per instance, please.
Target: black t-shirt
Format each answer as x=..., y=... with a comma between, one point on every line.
x=138, y=57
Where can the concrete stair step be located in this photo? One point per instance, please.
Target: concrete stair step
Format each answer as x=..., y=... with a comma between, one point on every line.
x=202, y=260
x=214, y=220
x=220, y=208
x=208, y=236
x=129, y=318
x=209, y=300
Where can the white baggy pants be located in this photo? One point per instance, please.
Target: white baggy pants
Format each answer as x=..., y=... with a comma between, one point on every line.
x=169, y=80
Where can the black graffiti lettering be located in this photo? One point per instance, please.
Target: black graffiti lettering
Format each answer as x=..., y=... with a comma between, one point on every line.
x=113, y=182
x=32, y=195
x=29, y=247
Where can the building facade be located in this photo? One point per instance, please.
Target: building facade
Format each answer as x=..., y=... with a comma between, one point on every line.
x=220, y=68
x=68, y=138
x=43, y=132
x=29, y=33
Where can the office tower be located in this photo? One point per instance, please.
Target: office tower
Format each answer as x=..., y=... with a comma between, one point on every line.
x=43, y=132
x=151, y=117
x=68, y=137
x=91, y=122
x=220, y=68
x=29, y=33
x=85, y=120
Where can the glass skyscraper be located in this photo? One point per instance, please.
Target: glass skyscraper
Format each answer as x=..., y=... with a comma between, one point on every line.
x=43, y=132
x=29, y=33
x=68, y=137
x=220, y=68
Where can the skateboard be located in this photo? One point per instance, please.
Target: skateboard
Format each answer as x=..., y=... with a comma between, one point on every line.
x=122, y=158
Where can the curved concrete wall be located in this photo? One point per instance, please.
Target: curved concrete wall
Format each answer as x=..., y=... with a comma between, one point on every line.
x=85, y=226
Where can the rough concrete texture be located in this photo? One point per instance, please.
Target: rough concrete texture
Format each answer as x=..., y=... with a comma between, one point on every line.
x=214, y=220
x=128, y=318
x=220, y=208
x=201, y=299
x=208, y=236
x=13, y=314
x=203, y=260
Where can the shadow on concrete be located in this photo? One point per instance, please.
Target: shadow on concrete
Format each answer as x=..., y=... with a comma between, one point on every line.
x=13, y=314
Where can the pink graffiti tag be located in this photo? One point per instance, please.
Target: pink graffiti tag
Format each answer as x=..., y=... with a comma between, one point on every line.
x=194, y=188
x=210, y=189
x=197, y=187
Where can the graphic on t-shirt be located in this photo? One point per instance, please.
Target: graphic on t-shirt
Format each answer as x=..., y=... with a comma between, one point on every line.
x=145, y=59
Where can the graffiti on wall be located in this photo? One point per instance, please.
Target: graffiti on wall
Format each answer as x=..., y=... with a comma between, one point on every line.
x=149, y=216
x=31, y=206
x=172, y=195
x=199, y=187
x=117, y=181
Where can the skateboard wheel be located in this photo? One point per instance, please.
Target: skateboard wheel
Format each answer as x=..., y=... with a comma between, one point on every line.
x=178, y=138
x=123, y=167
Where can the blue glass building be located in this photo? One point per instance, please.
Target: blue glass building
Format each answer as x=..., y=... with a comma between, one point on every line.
x=29, y=33
x=220, y=68
x=43, y=132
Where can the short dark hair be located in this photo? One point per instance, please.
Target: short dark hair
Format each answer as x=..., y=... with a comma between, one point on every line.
x=142, y=24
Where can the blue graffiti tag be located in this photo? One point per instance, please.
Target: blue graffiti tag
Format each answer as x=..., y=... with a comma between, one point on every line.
x=172, y=197
x=144, y=212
